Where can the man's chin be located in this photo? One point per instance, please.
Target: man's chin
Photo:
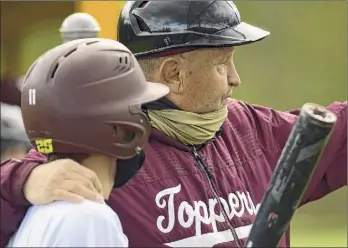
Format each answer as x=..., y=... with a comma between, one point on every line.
x=225, y=101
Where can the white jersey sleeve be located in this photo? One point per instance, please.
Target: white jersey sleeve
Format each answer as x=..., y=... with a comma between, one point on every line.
x=90, y=229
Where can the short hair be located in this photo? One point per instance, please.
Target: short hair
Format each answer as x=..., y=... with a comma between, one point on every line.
x=149, y=65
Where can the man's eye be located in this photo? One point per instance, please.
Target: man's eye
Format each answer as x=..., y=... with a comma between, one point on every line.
x=221, y=69
x=225, y=61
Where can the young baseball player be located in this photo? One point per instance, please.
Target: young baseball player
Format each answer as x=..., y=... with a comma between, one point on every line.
x=83, y=100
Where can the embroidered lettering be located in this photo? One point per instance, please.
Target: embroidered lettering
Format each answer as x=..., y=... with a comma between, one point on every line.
x=199, y=212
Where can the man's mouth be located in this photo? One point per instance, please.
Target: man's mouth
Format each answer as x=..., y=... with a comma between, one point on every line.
x=229, y=94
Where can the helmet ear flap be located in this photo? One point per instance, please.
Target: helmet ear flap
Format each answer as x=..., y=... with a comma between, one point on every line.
x=131, y=135
x=123, y=134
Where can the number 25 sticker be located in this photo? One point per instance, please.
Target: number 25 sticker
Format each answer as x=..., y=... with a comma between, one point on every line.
x=44, y=146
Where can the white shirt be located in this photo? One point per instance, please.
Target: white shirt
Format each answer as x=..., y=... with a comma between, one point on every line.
x=64, y=224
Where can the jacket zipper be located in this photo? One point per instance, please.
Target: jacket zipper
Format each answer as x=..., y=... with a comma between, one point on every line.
x=214, y=190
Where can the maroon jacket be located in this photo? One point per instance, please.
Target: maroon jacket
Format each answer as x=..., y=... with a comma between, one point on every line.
x=173, y=201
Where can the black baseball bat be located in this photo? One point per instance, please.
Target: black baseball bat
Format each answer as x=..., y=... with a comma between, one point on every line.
x=290, y=179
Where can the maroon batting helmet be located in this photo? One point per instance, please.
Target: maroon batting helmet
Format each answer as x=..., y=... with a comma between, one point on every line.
x=78, y=96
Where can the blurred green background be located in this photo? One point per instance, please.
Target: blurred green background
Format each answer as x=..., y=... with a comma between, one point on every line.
x=303, y=60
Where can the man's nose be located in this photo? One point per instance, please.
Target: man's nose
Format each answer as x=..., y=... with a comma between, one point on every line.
x=233, y=77
x=234, y=81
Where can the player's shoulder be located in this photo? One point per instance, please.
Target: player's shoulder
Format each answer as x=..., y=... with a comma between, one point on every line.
x=60, y=215
x=82, y=209
x=62, y=210
x=90, y=219
x=72, y=222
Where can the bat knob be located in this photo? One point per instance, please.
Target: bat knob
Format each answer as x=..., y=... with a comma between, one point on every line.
x=319, y=114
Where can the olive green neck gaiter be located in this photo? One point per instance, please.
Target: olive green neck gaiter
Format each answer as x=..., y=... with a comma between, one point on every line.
x=186, y=127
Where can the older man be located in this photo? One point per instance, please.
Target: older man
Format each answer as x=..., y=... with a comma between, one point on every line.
x=209, y=159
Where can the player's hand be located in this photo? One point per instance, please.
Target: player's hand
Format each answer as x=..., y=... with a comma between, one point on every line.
x=62, y=179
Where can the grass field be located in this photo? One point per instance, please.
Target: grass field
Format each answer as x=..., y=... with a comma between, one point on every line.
x=322, y=223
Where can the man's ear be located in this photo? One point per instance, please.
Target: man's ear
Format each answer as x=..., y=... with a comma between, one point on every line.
x=170, y=74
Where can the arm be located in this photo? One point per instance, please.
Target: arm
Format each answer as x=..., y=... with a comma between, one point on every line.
x=331, y=173
x=13, y=205
x=86, y=228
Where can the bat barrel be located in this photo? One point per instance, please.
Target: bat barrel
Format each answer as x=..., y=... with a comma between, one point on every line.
x=290, y=179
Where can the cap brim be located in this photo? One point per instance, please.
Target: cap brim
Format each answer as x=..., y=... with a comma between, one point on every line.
x=249, y=32
x=238, y=35
x=153, y=92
